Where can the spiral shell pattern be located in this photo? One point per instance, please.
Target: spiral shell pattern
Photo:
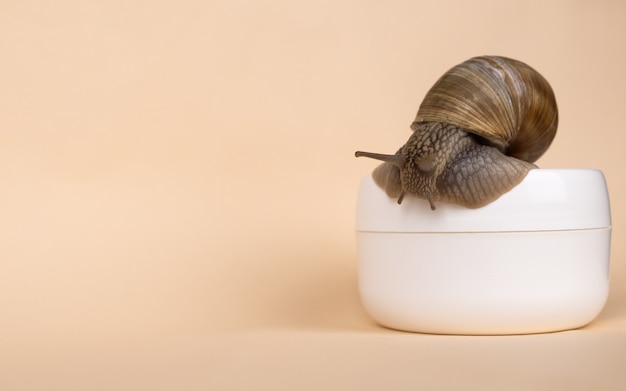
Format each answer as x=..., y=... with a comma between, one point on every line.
x=503, y=101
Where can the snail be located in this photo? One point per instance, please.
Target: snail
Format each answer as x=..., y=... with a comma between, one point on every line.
x=476, y=135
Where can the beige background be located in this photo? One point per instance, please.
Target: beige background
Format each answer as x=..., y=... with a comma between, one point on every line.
x=177, y=188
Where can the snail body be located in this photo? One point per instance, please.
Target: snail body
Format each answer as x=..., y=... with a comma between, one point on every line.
x=475, y=136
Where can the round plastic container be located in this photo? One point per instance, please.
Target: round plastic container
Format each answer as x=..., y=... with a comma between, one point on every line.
x=535, y=260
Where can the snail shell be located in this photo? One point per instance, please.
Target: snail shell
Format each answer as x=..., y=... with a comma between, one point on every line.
x=476, y=134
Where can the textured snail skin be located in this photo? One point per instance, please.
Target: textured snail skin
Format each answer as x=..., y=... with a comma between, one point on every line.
x=446, y=163
x=475, y=136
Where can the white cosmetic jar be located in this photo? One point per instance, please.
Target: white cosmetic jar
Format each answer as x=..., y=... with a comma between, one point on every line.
x=535, y=260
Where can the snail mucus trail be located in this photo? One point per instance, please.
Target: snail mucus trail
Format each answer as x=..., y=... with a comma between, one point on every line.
x=475, y=137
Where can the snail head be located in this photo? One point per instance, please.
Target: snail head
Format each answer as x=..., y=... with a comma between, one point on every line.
x=412, y=169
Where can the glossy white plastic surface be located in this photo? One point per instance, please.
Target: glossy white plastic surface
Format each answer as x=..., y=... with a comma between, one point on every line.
x=536, y=260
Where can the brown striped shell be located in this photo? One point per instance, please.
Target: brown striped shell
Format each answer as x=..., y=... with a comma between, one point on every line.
x=502, y=100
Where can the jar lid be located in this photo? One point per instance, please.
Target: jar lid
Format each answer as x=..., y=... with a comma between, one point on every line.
x=546, y=200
